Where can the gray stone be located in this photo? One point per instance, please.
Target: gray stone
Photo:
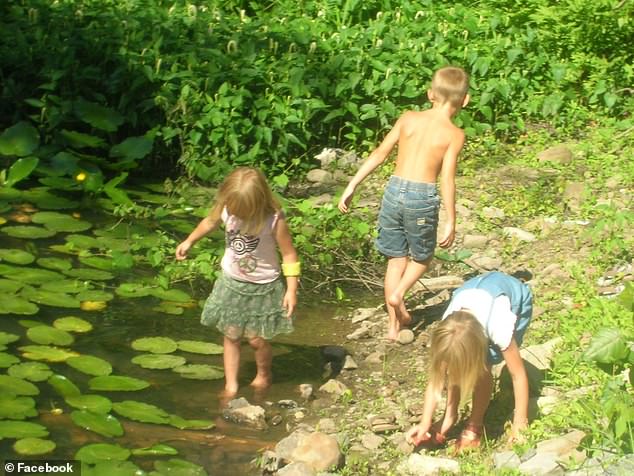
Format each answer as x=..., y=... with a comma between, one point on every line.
x=322, y=199
x=239, y=411
x=623, y=467
x=320, y=176
x=327, y=156
x=371, y=441
x=362, y=314
x=562, y=445
x=542, y=464
x=475, y=242
x=349, y=363
x=591, y=467
x=319, y=451
x=333, y=387
x=270, y=461
x=423, y=465
x=493, y=212
x=518, y=233
x=573, y=195
x=296, y=469
x=375, y=358
x=327, y=425
x=506, y=460
x=405, y=336
x=487, y=263
x=559, y=153
x=285, y=447
x=306, y=391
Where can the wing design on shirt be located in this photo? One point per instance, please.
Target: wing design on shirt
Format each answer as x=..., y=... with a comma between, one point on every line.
x=242, y=244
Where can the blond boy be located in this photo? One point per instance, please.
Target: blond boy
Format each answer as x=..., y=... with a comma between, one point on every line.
x=428, y=146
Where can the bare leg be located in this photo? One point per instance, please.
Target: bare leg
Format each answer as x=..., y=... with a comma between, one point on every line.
x=263, y=360
x=481, y=398
x=231, y=358
x=413, y=271
x=393, y=274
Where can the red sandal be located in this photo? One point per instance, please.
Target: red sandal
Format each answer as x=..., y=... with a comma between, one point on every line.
x=433, y=439
x=470, y=438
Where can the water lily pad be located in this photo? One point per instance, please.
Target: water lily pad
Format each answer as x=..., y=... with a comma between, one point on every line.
x=167, y=308
x=15, y=305
x=28, y=231
x=16, y=408
x=8, y=193
x=47, y=353
x=48, y=201
x=93, y=305
x=89, y=274
x=72, y=324
x=70, y=286
x=99, y=262
x=95, y=295
x=32, y=371
x=179, y=467
x=96, y=452
x=111, y=383
x=158, y=361
x=139, y=411
x=28, y=275
x=175, y=295
x=17, y=386
x=7, y=360
x=16, y=256
x=46, y=335
x=10, y=286
x=199, y=372
x=33, y=446
x=8, y=338
x=56, y=264
x=114, y=244
x=112, y=468
x=90, y=365
x=91, y=403
x=184, y=424
x=156, y=345
x=131, y=290
x=159, y=449
x=64, y=386
x=82, y=241
x=51, y=298
x=22, y=429
x=200, y=347
x=20, y=139
x=106, y=425
x=28, y=323
x=60, y=222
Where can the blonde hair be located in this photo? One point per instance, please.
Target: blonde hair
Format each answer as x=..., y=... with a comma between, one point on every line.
x=458, y=353
x=246, y=194
x=450, y=84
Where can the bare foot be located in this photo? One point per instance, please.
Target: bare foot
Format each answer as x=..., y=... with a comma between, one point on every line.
x=261, y=382
x=402, y=316
x=225, y=396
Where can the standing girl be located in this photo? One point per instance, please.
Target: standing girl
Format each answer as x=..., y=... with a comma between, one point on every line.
x=249, y=299
x=483, y=325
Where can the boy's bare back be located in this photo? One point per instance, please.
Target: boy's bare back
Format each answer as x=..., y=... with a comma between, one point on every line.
x=425, y=140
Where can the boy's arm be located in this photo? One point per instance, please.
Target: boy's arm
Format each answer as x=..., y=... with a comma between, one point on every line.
x=206, y=225
x=448, y=188
x=289, y=255
x=376, y=158
x=516, y=368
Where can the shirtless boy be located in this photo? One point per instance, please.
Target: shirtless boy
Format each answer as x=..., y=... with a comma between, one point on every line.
x=428, y=146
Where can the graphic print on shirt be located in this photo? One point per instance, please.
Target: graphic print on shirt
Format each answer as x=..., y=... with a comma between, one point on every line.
x=243, y=246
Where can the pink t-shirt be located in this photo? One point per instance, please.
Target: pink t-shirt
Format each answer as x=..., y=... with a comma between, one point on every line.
x=250, y=258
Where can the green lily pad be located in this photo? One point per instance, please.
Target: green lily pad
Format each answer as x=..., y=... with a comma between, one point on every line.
x=8, y=193
x=111, y=383
x=96, y=452
x=106, y=425
x=82, y=241
x=46, y=335
x=22, y=429
x=70, y=286
x=139, y=411
x=16, y=408
x=47, y=353
x=56, y=264
x=89, y=274
x=72, y=324
x=95, y=295
x=159, y=449
x=17, y=386
x=156, y=345
x=28, y=275
x=112, y=468
x=167, y=308
x=199, y=372
x=31, y=371
x=28, y=323
x=64, y=386
x=174, y=295
x=46, y=200
x=60, y=222
x=179, y=467
x=91, y=403
x=8, y=338
x=16, y=256
x=10, y=286
x=20, y=139
x=33, y=446
x=7, y=360
x=27, y=231
x=50, y=298
x=90, y=365
x=131, y=290
x=99, y=262
x=184, y=424
x=200, y=347
x=158, y=361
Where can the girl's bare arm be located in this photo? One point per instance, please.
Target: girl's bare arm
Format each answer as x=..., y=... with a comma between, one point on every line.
x=206, y=225
x=519, y=377
x=289, y=255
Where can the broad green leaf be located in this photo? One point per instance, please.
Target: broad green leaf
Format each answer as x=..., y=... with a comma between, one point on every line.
x=156, y=345
x=46, y=335
x=20, y=140
x=159, y=449
x=8, y=338
x=83, y=241
x=608, y=346
x=112, y=468
x=15, y=305
x=106, y=425
x=199, y=347
x=130, y=290
x=98, y=116
x=21, y=169
x=51, y=298
x=33, y=446
x=72, y=324
x=56, y=264
x=16, y=408
x=158, y=361
x=89, y=274
x=95, y=295
x=80, y=140
x=139, y=411
x=184, y=424
x=60, y=222
x=199, y=372
x=17, y=386
x=111, y=383
x=132, y=148
x=97, y=452
x=32, y=371
x=64, y=386
x=27, y=231
x=9, y=286
x=91, y=403
x=174, y=295
x=28, y=275
x=48, y=201
x=169, y=308
x=7, y=360
x=16, y=256
x=90, y=365
x=22, y=429
x=47, y=353
x=99, y=262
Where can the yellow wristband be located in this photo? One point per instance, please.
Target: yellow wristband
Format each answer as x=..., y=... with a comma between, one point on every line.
x=291, y=269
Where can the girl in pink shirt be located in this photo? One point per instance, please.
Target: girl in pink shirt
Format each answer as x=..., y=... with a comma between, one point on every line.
x=249, y=300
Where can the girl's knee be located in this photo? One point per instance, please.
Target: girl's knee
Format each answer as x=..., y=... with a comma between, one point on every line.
x=258, y=342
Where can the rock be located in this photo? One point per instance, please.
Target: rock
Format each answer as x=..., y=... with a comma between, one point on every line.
x=285, y=447
x=327, y=156
x=363, y=331
x=506, y=460
x=493, y=212
x=542, y=464
x=362, y=314
x=562, y=446
x=306, y=391
x=375, y=358
x=287, y=404
x=327, y=425
x=487, y=263
x=296, y=469
x=349, y=363
x=475, y=241
x=269, y=461
x=319, y=451
x=405, y=336
x=423, y=465
x=321, y=199
x=371, y=441
x=518, y=233
x=540, y=355
x=559, y=153
x=438, y=284
x=333, y=387
x=320, y=176
x=573, y=195
x=241, y=412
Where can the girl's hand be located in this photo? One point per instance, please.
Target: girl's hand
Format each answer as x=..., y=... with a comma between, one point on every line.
x=344, y=201
x=516, y=435
x=417, y=434
x=182, y=250
x=289, y=303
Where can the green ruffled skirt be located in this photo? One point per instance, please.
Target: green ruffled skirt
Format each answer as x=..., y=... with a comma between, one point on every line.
x=239, y=309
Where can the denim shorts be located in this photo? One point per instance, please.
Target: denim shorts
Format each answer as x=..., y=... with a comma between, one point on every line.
x=524, y=314
x=408, y=219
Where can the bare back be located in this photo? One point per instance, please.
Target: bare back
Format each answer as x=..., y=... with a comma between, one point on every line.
x=425, y=138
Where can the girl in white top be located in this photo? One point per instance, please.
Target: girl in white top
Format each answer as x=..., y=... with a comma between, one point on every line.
x=249, y=300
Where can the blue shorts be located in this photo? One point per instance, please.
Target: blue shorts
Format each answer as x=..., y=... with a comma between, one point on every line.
x=524, y=314
x=408, y=219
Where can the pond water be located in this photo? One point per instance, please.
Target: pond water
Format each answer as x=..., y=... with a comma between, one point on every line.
x=225, y=449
